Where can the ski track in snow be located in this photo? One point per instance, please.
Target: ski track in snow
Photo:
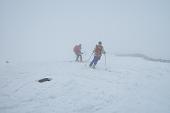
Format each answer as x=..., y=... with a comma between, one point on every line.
x=76, y=88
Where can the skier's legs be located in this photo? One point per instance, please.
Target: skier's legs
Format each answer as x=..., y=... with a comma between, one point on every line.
x=77, y=57
x=92, y=62
x=96, y=59
x=80, y=58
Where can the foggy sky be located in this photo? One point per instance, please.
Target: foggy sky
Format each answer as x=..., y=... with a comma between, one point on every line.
x=48, y=29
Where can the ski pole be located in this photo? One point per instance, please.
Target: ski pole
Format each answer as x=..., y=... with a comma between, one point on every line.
x=105, y=59
x=105, y=62
x=90, y=57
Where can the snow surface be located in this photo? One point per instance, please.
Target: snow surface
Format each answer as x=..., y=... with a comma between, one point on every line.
x=36, y=41
x=124, y=85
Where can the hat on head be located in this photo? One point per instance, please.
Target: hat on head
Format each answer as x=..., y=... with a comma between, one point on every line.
x=99, y=42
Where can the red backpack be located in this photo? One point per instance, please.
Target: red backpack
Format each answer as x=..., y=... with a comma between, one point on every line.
x=98, y=49
x=76, y=49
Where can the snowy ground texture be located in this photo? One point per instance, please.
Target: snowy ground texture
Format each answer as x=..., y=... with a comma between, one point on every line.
x=124, y=85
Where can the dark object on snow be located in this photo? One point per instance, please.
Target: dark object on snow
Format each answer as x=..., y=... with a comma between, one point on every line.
x=44, y=80
x=7, y=62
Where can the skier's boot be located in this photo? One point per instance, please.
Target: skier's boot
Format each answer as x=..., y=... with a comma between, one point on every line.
x=93, y=66
x=90, y=65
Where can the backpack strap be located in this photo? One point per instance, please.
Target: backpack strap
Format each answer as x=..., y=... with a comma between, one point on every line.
x=98, y=50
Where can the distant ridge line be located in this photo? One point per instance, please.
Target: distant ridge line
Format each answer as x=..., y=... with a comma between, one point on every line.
x=145, y=57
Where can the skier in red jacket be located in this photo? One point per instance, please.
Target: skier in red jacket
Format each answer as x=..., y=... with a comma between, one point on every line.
x=98, y=51
x=77, y=51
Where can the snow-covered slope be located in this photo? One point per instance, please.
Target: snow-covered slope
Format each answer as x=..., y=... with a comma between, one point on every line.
x=123, y=85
